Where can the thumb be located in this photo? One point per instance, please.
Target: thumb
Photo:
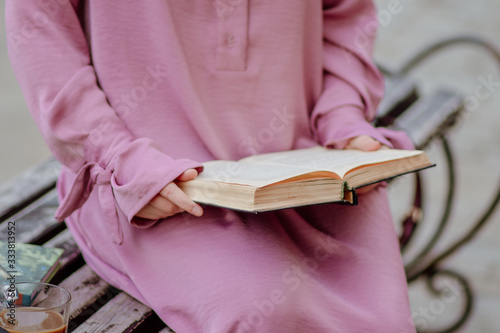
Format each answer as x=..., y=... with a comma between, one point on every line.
x=363, y=142
x=189, y=174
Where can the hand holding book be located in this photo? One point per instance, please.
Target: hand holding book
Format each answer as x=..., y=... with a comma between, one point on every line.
x=285, y=179
x=171, y=200
x=365, y=143
x=298, y=177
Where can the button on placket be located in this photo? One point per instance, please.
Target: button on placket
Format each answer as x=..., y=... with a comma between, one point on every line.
x=231, y=41
x=232, y=30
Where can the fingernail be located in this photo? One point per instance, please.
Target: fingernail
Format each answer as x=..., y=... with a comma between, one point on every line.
x=197, y=211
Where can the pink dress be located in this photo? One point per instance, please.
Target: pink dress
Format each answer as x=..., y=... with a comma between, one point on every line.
x=128, y=94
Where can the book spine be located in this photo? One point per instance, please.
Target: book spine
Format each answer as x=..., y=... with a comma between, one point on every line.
x=345, y=189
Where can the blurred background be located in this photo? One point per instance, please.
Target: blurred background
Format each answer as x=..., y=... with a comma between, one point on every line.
x=407, y=26
x=475, y=142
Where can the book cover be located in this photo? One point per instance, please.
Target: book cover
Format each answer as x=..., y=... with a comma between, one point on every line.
x=22, y=262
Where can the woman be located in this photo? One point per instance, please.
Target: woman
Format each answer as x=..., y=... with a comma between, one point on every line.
x=132, y=96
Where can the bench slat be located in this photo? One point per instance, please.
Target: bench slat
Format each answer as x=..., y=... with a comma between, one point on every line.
x=431, y=116
x=71, y=258
x=88, y=292
x=400, y=93
x=121, y=314
x=27, y=187
x=36, y=221
x=64, y=240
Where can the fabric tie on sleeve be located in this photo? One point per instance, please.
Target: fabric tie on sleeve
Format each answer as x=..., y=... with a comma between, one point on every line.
x=89, y=175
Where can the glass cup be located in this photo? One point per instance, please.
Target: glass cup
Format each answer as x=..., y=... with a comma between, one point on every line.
x=29, y=307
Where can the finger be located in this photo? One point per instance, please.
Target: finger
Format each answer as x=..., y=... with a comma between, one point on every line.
x=152, y=213
x=164, y=206
x=189, y=174
x=363, y=142
x=173, y=193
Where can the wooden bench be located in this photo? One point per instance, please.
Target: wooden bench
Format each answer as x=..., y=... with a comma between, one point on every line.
x=30, y=200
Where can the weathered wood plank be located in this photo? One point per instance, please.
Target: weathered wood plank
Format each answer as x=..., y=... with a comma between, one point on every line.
x=64, y=240
x=121, y=314
x=27, y=187
x=88, y=292
x=35, y=221
x=71, y=258
x=431, y=116
x=400, y=93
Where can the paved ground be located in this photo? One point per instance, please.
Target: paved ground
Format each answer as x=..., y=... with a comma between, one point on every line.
x=407, y=26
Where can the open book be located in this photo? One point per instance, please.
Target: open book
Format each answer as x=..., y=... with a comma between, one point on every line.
x=298, y=177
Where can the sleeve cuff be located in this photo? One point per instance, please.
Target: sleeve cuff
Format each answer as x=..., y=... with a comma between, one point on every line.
x=337, y=127
x=140, y=173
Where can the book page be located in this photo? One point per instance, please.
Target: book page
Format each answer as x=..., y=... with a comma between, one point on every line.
x=334, y=160
x=254, y=174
